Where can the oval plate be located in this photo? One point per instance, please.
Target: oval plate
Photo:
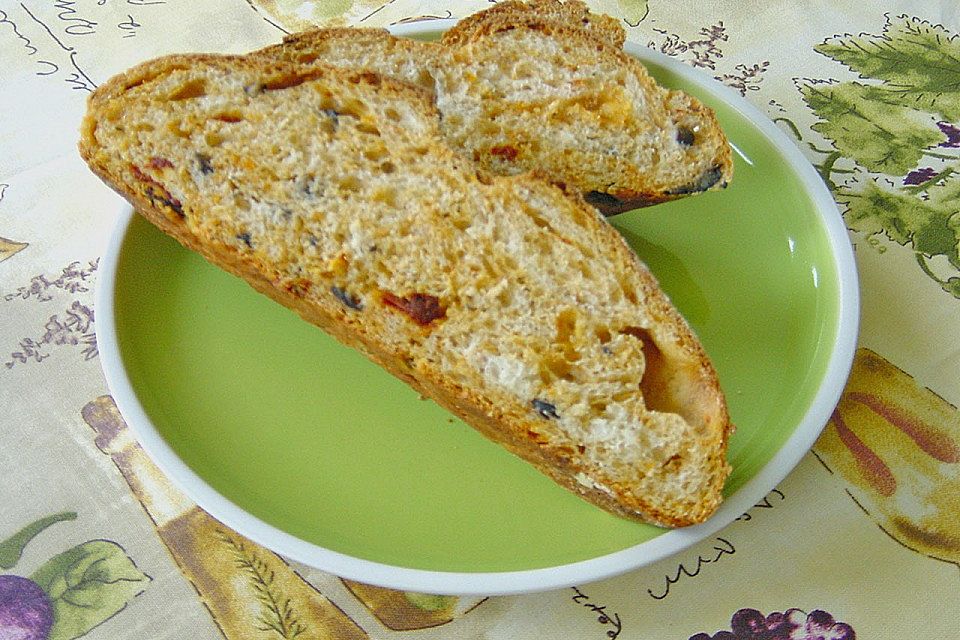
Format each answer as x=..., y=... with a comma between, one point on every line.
x=307, y=448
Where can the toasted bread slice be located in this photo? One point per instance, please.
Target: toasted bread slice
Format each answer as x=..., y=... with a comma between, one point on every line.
x=519, y=92
x=508, y=301
x=524, y=93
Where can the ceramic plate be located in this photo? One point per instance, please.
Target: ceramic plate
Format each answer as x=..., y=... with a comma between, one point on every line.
x=307, y=448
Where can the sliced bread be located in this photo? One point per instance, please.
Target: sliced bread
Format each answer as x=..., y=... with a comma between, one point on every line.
x=505, y=299
x=527, y=86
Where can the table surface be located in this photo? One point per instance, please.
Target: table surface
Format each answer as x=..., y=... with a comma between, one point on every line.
x=862, y=537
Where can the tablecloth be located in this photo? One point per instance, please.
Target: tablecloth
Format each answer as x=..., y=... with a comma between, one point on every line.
x=862, y=539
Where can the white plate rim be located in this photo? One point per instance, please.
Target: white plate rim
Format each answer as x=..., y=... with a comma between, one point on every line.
x=541, y=579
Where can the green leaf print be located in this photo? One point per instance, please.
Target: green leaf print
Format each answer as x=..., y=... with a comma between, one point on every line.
x=12, y=548
x=87, y=585
x=918, y=62
x=932, y=226
x=865, y=124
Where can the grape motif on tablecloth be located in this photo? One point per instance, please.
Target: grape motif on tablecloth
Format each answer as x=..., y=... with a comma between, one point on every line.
x=792, y=624
x=71, y=593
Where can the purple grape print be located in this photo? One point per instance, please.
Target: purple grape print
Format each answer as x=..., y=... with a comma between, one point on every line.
x=919, y=176
x=952, y=132
x=792, y=624
x=69, y=594
x=25, y=610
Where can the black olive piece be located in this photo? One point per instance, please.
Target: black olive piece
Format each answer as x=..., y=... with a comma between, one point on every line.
x=545, y=409
x=685, y=136
x=600, y=199
x=245, y=237
x=204, y=161
x=175, y=205
x=347, y=299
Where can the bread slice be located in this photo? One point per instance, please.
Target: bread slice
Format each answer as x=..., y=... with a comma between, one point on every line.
x=508, y=301
x=546, y=86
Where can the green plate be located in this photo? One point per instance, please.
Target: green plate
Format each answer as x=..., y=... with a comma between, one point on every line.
x=306, y=446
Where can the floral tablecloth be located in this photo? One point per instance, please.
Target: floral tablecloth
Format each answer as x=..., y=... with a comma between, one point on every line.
x=862, y=539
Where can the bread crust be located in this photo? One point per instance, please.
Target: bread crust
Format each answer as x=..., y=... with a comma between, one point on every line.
x=571, y=13
x=511, y=427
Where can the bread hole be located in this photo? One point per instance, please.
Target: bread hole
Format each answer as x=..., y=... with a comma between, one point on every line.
x=285, y=81
x=509, y=263
x=658, y=382
x=598, y=406
x=375, y=153
x=174, y=127
x=627, y=287
x=240, y=201
x=424, y=78
x=556, y=369
x=307, y=57
x=327, y=102
x=538, y=220
x=143, y=126
x=350, y=184
x=489, y=267
x=328, y=125
x=461, y=224
x=542, y=244
x=388, y=167
x=392, y=114
x=386, y=195
x=195, y=88
x=603, y=335
x=384, y=269
x=213, y=139
x=366, y=127
x=353, y=108
x=566, y=324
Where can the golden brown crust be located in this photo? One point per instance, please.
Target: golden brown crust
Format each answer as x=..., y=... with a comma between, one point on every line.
x=507, y=14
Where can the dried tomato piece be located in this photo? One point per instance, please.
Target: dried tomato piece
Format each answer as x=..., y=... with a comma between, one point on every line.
x=505, y=151
x=421, y=307
x=299, y=287
x=156, y=162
